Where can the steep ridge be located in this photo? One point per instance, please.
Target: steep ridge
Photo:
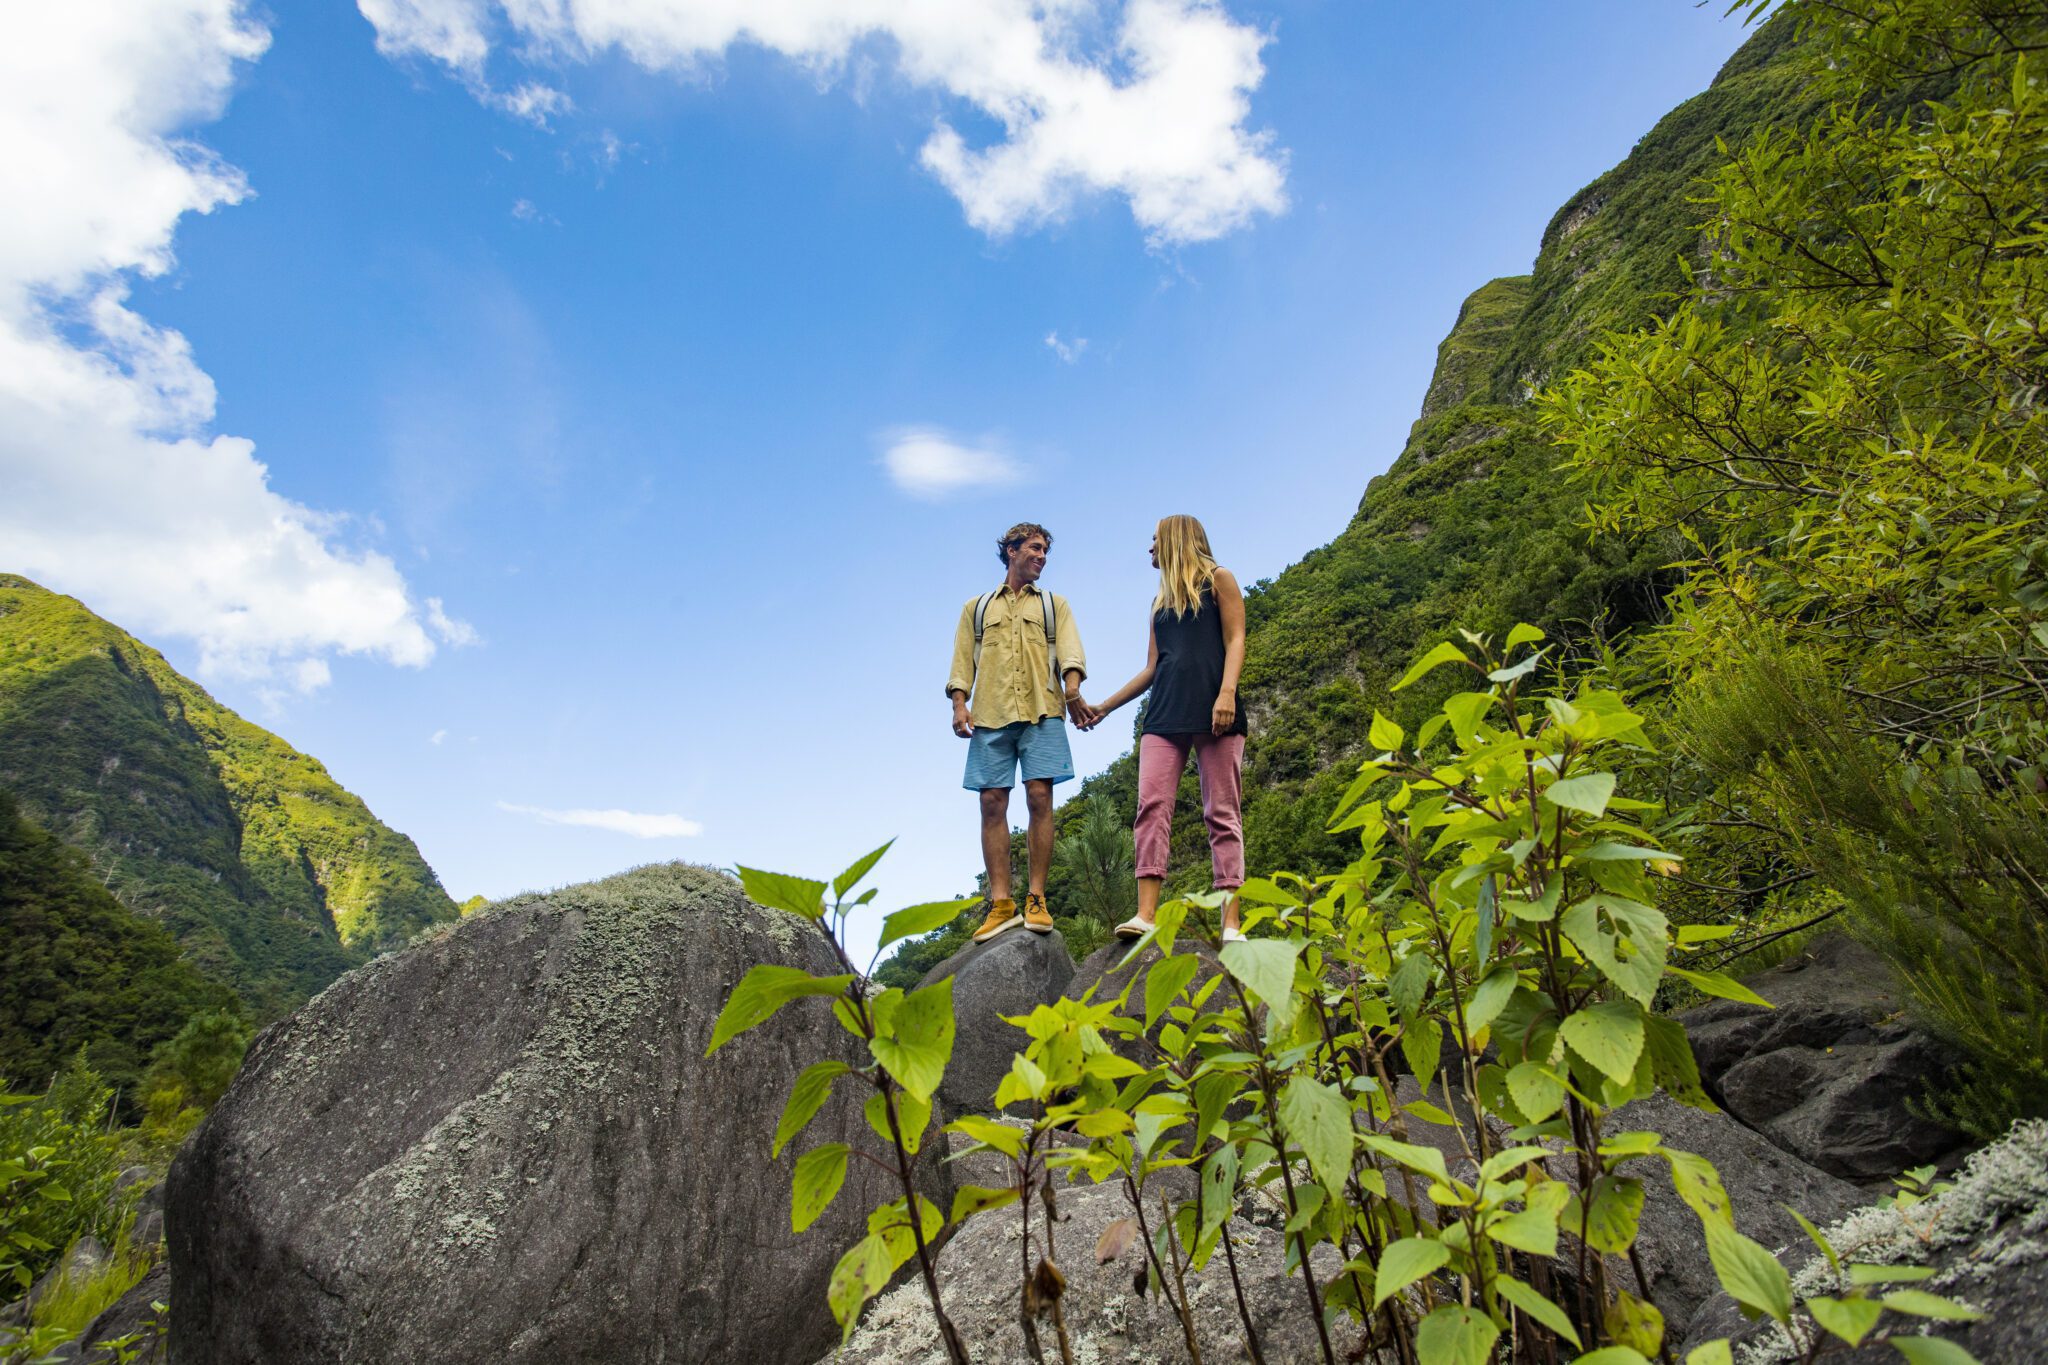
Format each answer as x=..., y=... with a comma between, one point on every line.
x=1473, y=524
x=272, y=877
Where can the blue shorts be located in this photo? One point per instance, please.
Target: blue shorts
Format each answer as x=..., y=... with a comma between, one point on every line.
x=993, y=756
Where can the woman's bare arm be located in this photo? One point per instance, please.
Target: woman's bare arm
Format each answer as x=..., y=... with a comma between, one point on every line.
x=1230, y=607
x=1137, y=685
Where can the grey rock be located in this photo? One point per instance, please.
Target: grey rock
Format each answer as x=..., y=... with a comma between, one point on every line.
x=1013, y=973
x=133, y=1315
x=1832, y=1072
x=506, y=1144
x=1982, y=1238
x=147, y=1231
x=1107, y=1319
x=1760, y=1178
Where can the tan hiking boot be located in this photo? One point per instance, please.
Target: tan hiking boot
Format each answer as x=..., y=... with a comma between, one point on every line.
x=1036, y=917
x=1002, y=915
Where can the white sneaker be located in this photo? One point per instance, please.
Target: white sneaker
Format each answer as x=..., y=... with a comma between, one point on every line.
x=1233, y=935
x=1133, y=928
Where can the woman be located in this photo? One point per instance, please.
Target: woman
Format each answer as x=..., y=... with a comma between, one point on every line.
x=1192, y=659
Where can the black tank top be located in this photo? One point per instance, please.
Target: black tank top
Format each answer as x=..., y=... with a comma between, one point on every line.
x=1190, y=672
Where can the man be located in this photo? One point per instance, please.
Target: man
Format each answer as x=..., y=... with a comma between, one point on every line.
x=1018, y=655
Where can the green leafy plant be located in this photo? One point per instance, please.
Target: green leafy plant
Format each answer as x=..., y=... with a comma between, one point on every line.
x=908, y=1038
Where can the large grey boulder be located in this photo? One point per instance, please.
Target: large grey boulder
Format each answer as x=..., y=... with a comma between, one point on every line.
x=1832, y=1073
x=1984, y=1239
x=505, y=1144
x=1013, y=973
x=981, y=1268
x=1760, y=1177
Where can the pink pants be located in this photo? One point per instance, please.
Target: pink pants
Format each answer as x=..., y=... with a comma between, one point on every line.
x=1220, y=759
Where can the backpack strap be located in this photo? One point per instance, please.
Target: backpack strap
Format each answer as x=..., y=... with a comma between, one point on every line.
x=1051, y=612
x=980, y=624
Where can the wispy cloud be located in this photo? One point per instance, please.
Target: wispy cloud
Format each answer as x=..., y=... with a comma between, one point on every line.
x=437, y=737
x=117, y=487
x=929, y=463
x=638, y=824
x=1151, y=103
x=1068, y=351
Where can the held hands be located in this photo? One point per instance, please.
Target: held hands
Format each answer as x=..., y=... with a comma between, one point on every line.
x=1084, y=716
x=1223, y=715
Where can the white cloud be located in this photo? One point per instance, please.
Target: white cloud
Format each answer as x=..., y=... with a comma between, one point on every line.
x=531, y=103
x=1147, y=99
x=640, y=826
x=436, y=738
x=1068, y=351
x=928, y=463
x=116, y=488
x=457, y=633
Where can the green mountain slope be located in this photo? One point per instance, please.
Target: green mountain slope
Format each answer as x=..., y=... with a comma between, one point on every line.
x=81, y=970
x=1472, y=524
x=271, y=876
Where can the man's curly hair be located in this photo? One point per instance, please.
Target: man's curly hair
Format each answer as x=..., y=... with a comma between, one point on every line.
x=1017, y=535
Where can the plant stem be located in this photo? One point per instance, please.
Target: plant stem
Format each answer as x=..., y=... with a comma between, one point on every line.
x=1187, y=1318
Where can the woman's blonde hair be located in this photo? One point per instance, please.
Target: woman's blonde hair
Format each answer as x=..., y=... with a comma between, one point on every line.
x=1186, y=567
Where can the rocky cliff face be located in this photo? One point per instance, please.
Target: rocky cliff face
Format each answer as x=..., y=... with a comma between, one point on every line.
x=507, y=1145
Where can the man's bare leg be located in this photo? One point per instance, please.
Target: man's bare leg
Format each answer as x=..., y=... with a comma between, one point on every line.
x=1038, y=799
x=995, y=841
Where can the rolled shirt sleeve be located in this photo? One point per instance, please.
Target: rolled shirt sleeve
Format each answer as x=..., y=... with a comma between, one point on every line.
x=961, y=679
x=1072, y=658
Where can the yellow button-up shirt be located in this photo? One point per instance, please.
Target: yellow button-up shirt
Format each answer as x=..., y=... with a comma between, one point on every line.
x=1015, y=680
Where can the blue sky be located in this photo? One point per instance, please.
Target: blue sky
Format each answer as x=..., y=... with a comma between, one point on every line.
x=572, y=404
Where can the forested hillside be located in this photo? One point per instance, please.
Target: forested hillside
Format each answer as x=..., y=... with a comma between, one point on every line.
x=1473, y=523
x=270, y=876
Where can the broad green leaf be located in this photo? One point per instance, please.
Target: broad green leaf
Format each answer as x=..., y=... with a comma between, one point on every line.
x=1427, y=1160
x=1465, y=711
x=1318, y=1118
x=1625, y=939
x=1608, y=1035
x=1167, y=979
x=1932, y=1351
x=1535, y=1091
x=1422, y=1044
x=1922, y=1304
x=1864, y=1275
x=913, y=920
x=1531, y=1230
x=1815, y=1236
x=1608, y=1221
x=819, y=1174
x=1102, y=1123
x=806, y=1097
x=1445, y=653
x=1486, y=915
x=1699, y=1185
x=1384, y=734
x=850, y=878
x=1219, y=1188
x=1726, y=987
x=1750, y=1274
x=1456, y=1335
x=1690, y=935
x=1410, y=983
x=912, y=1114
x=969, y=1200
x=1004, y=1137
x=1536, y=1306
x=1265, y=966
x=1405, y=1262
x=1672, y=1062
x=1849, y=1319
x=1635, y=1324
x=1611, y=1355
x=1716, y=1352
x=1607, y=851
x=765, y=989
x=1023, y=1081
x=798, y=895
x=859, y=1276
x=1588, y=793
x=1523, y=634
x=920, y=1040
x=1490, y=997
